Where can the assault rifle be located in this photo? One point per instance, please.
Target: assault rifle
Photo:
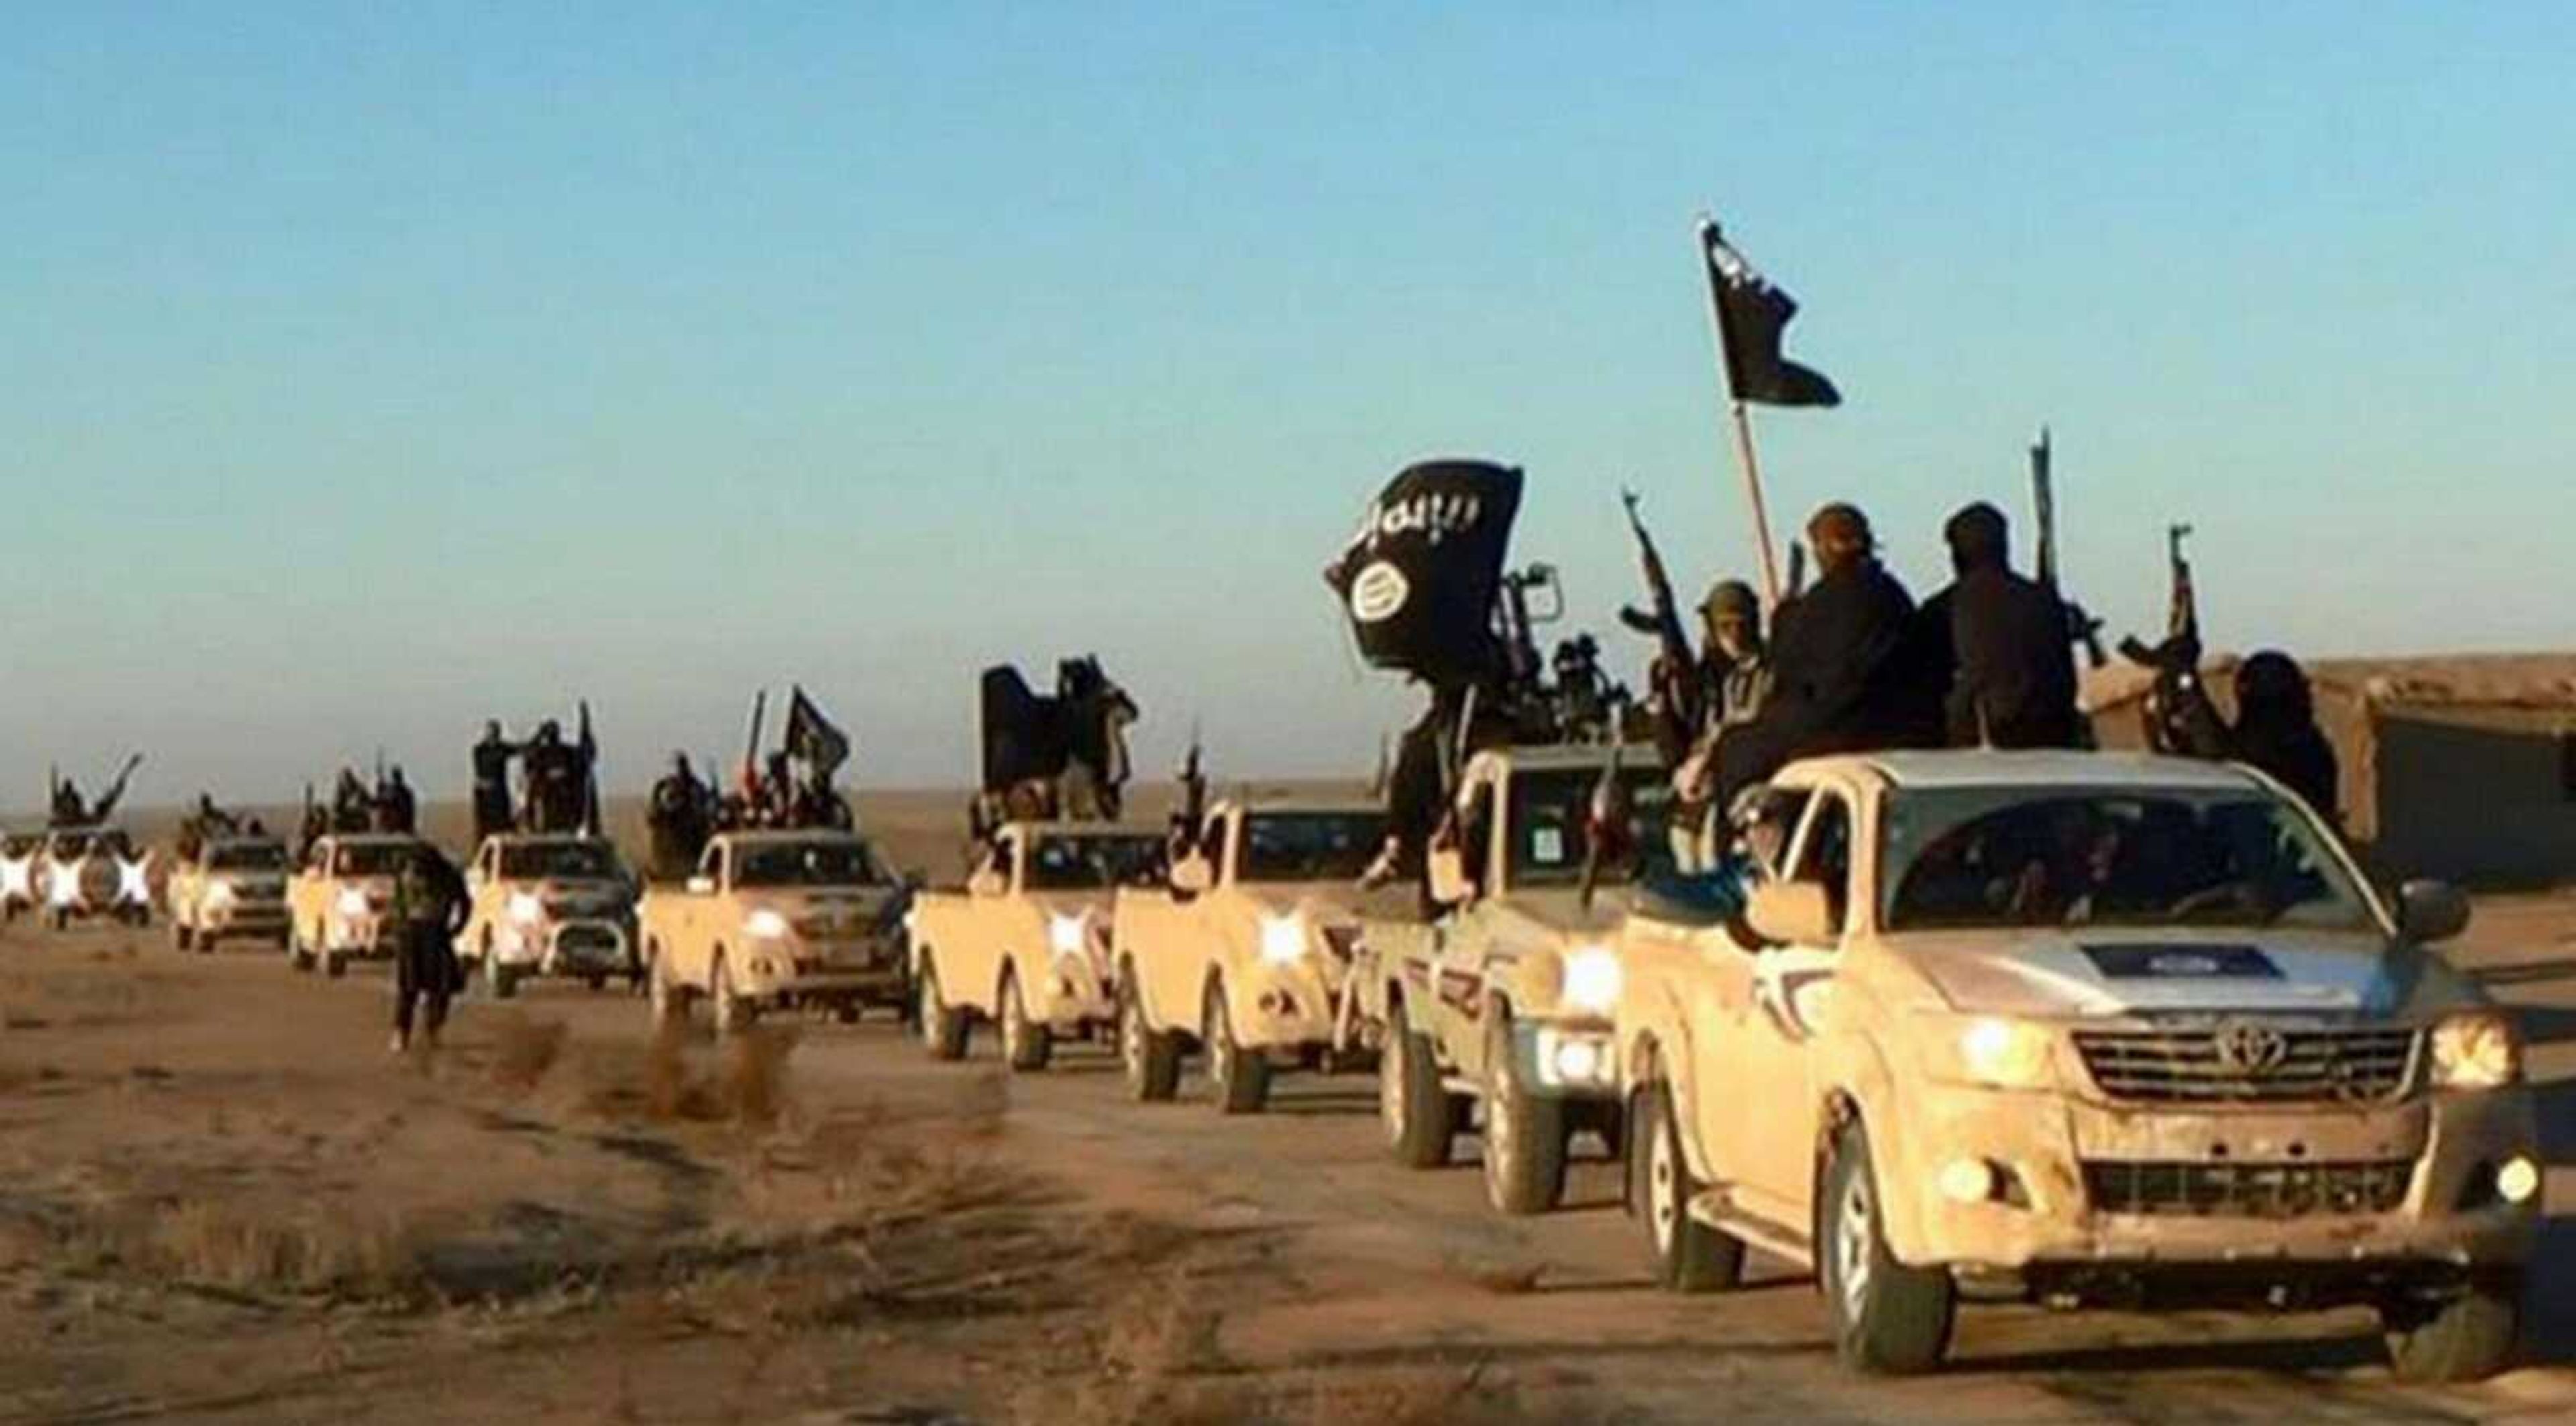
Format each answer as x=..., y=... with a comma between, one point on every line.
x=1191, y=815
x=1676, y=670
x=2178, y=714
x=2081, y=627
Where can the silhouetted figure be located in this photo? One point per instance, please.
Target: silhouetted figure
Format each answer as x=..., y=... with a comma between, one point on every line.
x=2003, y=640
x=430, y=906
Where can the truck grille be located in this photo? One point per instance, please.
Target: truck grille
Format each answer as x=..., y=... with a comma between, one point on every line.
x=2223, y=1065
x=2234, y=1190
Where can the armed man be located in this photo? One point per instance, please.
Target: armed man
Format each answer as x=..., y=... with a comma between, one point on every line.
x=1734, y=674
x=678, y=818
x=396, y=809
x=1846, y=664
x=492, y=782
x=69, y=810
x=554, y=775
x=430, y=905
x=352, y=811
x=2003, y=641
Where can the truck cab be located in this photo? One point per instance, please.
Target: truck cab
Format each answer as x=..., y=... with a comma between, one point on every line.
x=553, y=904
x=1496, y=1011
x=1243, y=952
x=776, y=920
x=1024, y=946
x=2076, y=1028
x=233, y=888
x=92, y=871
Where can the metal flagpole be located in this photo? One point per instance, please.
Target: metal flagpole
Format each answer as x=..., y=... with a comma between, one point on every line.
x=1751, y=465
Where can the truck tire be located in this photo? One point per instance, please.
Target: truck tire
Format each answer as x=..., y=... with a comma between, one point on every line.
x=1240, y=1078
x=1525, y=1134
x=1419, y=1117
x=501, y=980
x=943, y=1031
x=2460, y=1339
x=299, y=952
x=733, y=1013
x=1888, y=1319
x=1688, y=1255
x=670, y=1000
x=334, y=965
x=1026, y=1044
x=1151, y=1060
x=182, y=939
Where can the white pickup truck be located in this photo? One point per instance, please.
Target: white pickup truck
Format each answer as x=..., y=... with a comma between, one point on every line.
x=86, y=872
x=776, y=920
x=549, y=904
x=1243, y=954
x=234, y=888
x=1026, y=945
x=339, y=905
x=2075, y=1028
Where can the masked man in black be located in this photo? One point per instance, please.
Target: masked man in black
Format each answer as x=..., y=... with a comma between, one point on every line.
x=430, y=906
x=2003, y=637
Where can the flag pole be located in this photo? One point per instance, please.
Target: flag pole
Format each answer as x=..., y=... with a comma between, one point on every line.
x=1741, y=420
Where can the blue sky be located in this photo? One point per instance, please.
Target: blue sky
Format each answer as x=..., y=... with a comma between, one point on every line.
x=363, y=374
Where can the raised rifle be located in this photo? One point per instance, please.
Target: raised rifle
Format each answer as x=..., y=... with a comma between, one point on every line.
x=106, y=803
x=1192, y=815
x=2082, y=628
x=2178, y=714
x=1677, y=683
x=1797, y=572
x=1605, y=817
x=751, y=744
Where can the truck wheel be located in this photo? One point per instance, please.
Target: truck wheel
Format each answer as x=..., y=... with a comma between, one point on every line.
x=1689, y=1256
x=181, y=939
x=2461, y=1339
x=501, y=980
x=1151, y=1061
x=1888, y=1319
x=670, y=1000
x=1026, y=1045
x=333, y=965
x=1240, y=1077
x=1524, y=1133
x=733, y=1013
x=943, y=1031
x=299, y=952
x=1417, y=1113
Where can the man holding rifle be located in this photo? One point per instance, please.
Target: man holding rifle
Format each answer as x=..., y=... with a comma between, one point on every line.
x=2011, y=665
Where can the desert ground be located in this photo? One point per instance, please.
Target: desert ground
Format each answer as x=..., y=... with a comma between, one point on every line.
x=221, y=1199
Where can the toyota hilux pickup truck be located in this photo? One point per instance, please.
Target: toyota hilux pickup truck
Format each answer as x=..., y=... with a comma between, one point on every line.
x=85, y=872
x=549, y=904
x=339, y=906
x=1242, y=953
x=233, y=888
x=776, y=920
x=18, y=855
x=2076, y=1029
x=1495, y=1013
x=1025, y=946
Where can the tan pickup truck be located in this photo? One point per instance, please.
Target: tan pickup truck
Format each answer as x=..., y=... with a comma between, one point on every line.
x=1496, y=1015
x=1026, y=945
x=776, y=920
x=1243, y=954
x=234, y=888
x=339, y=906
x=18, y=854
x=549, y=904
x=2076, y=1029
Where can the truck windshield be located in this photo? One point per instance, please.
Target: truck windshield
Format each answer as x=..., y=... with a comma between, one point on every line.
x=561, y=861
x=371, y=859
x=839, y=862
x=255, y=856
x=1552, y=832
x=2000, y=857
x=1066, y=862
x=1310, y=846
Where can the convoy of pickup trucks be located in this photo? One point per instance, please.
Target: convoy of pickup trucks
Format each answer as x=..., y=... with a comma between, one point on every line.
x=1941, y=1028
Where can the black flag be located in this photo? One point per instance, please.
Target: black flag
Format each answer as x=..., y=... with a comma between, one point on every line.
x=1418, y=580
x=1751, y=315
x=812, y=737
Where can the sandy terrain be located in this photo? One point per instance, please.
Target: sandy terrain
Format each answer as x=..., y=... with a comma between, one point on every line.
x=221, y=1199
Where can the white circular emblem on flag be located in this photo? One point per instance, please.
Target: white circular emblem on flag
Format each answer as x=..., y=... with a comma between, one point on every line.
x=1380, y=590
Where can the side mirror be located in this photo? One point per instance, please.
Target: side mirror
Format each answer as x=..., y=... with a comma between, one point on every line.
x=1791, y=913
x=1446, y=869
x=2429, y=911
x=702, y=886
x=985, y=882
x=1192, y=875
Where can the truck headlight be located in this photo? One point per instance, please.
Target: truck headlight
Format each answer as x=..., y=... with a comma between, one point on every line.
x=352, y=904
x=2475, y=1051
x=2008, y=1054
x=219, y=894
x=1066, y=934
x=1592, y=979
x=62, y=885
x=764, y=924
x=1283, y=940
x=526, y=909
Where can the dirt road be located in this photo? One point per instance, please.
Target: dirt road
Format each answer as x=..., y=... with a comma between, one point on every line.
x=221, y=1199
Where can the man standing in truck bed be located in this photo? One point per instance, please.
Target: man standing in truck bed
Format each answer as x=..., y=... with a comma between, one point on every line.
x=2012, y=669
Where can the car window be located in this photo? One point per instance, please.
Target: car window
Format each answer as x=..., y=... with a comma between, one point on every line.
x=1553, y=829
x=1824, y=853
x=255, y=857
x=1310, y=846
x=1094, y=861
x=837, y=862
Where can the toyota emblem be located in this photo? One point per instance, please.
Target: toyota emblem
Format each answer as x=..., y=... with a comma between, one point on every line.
x=2250, y=1048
